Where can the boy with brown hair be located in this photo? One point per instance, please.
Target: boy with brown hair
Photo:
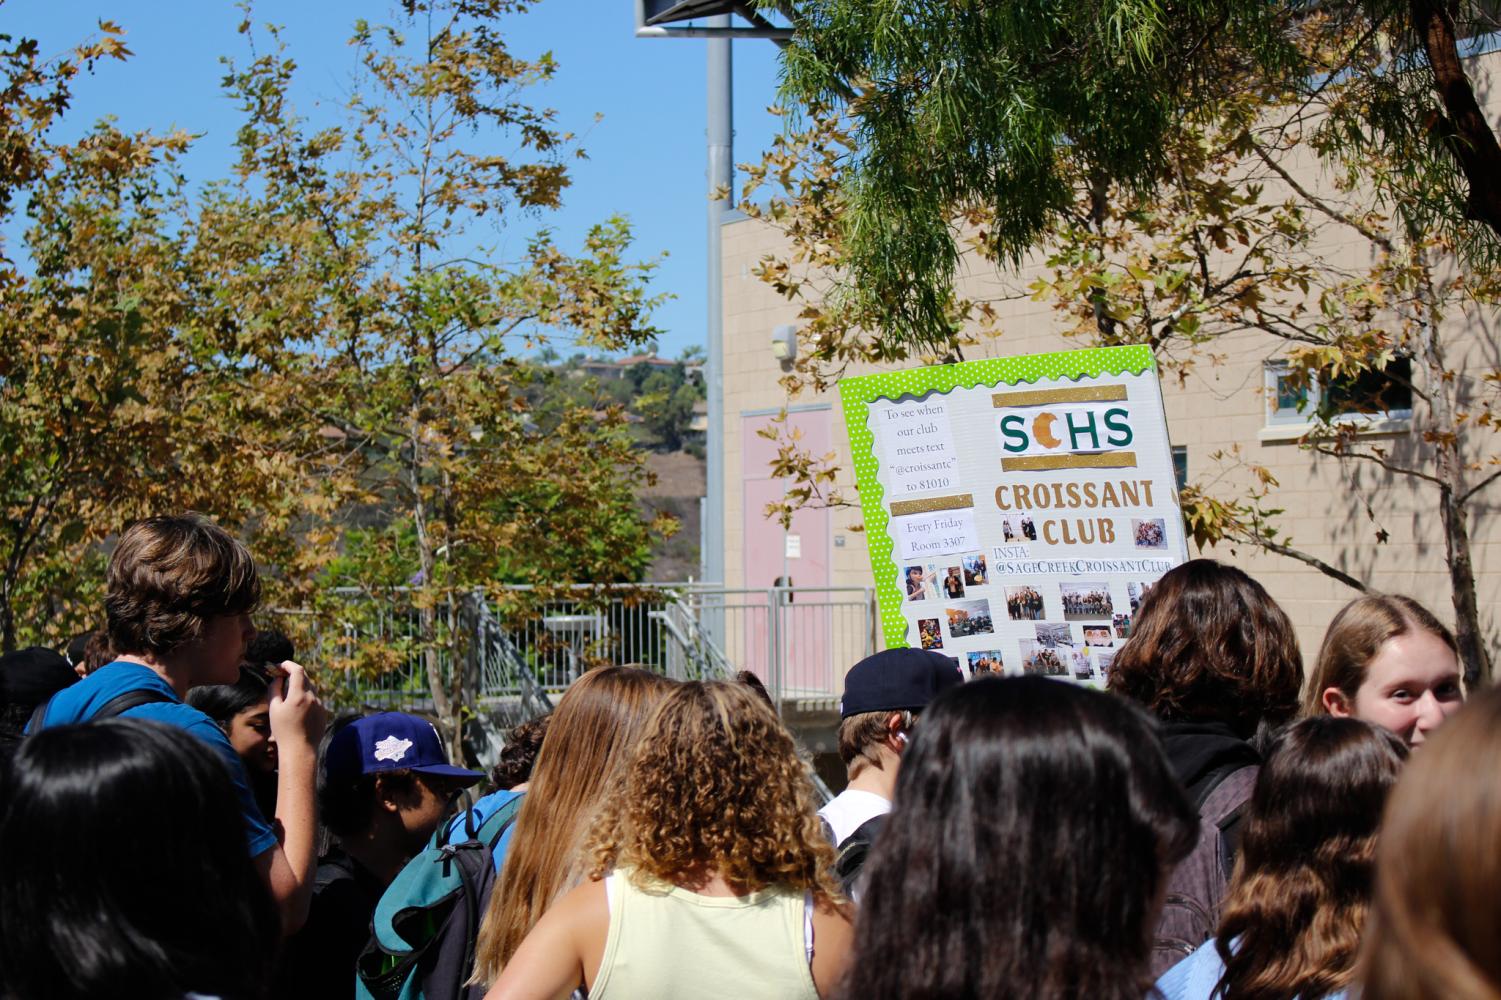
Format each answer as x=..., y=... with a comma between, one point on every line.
x=179, y=593
x=882, y=695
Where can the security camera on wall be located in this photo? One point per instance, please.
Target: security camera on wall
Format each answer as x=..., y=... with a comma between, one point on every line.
x=784, y=343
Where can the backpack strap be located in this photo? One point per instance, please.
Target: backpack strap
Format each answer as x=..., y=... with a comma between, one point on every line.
x=1206, y=785
x=34, y=724
x=116, y=706
x=1225, y=807
x=122, y=703
x=855, y=848
x=477, y=872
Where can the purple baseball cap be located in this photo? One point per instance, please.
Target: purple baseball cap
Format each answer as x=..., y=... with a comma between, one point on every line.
x=389, y=741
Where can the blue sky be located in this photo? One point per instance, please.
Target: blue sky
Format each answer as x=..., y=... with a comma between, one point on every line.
x=646, y=156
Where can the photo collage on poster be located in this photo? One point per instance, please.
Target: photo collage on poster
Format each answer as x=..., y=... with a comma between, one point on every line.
x=1063, y=629
x=1026, y=517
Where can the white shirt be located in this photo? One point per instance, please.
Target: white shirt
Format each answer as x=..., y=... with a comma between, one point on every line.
x=851, y=808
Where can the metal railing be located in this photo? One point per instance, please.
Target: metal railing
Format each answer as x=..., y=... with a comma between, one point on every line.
x=516, y=653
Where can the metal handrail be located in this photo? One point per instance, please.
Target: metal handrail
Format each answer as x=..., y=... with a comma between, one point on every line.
x=686, y=629
x=510, y=660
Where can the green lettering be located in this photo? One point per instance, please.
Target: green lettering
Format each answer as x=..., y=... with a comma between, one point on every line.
x=1115, y=422
x=1012, y=430
x=1076, y=431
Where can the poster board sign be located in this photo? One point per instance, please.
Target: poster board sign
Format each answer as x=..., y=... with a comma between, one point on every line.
x=1017, y=509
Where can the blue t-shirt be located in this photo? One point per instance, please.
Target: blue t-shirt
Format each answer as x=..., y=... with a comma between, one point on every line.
x=80, y=701
x=483, y=809
x=1196, y=977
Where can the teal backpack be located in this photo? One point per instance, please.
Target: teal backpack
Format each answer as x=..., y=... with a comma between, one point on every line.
x=424, y=929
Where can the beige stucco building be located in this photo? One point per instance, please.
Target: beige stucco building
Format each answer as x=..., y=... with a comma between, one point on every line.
x=1217, y=408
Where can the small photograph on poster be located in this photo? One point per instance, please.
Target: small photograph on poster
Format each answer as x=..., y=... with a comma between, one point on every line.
x=1053, y=635
x=1135, y=592
x=974, y=570
x=953, y=582
x=1083, y=669
x=1149, y=533
x=968, y=618
x=930, y=632
x=1085, y=601
x=985, y=662
x=1040, y=659
x=1103, y=659
x=1024, y=604
x=918, y=583
x=1018, y=529
x=1098, y=636
x=1122, y=626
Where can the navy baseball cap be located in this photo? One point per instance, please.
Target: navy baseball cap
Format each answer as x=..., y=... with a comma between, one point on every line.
x=389, y=741
x=895, y=680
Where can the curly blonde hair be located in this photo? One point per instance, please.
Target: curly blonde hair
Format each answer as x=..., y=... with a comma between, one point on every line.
x=715, y=786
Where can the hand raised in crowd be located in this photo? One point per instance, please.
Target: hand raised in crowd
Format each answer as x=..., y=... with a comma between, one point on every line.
x=296, y=713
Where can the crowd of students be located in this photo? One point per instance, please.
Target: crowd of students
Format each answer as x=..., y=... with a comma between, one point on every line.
x=182, y=821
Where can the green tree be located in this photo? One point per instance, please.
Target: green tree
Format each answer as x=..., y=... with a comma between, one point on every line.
x=664, y=400
x=1232, y=244
x=1224, y=243
x=1006, y=109
x=119, y=394
x=402, y=330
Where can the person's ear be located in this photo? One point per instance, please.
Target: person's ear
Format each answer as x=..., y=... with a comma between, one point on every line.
x=1336, y=703
x=390, y=795
x=895, y=736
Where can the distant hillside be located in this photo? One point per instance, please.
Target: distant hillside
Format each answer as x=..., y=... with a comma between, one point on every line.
x=679, y=490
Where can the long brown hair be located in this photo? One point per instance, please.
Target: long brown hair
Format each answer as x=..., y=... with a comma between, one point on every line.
x=716, y=786
x=1356, y=635
x=1297, y=902
x=589, y=741
x=1435, y=929
x=1209, y=643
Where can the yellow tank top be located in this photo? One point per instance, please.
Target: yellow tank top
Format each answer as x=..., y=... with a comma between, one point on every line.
x=671, y=944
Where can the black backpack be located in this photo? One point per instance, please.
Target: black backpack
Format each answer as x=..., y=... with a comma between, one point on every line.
x=424, y=928
x=851, y=852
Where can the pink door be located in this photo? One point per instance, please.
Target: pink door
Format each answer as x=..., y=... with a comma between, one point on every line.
x=797, y=556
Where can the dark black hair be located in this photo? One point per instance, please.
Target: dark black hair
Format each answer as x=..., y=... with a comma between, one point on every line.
x=126, y=870
x=29, y=677
x=519, y=755
x=269, y=646
x=222, y=702
x=1034, y=826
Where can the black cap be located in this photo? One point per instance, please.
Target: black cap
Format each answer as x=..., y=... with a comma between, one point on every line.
x=78, y=645
x=29, y=677
x=896, y=680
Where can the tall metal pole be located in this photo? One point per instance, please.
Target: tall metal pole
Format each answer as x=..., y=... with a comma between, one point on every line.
x=721, y=177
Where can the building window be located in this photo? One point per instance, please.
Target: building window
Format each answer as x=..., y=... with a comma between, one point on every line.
x=1180, y=466
x=1374, y=397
